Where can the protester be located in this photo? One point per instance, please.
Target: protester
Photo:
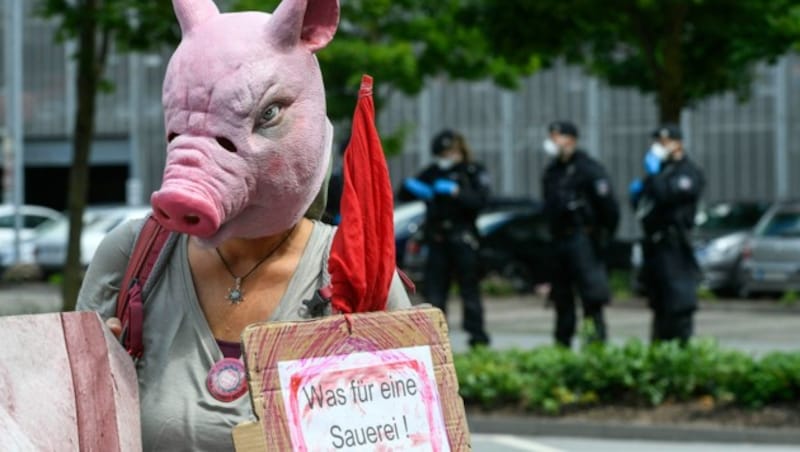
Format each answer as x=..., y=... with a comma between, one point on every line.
x=249, y=145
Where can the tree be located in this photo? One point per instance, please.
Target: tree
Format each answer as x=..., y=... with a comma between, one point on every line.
x=400, y=43
x=96, y=25
x=681, y=50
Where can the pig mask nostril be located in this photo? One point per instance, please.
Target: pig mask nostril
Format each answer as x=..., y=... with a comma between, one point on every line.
x=191, y=220
x=226, y=143
x=171, y=136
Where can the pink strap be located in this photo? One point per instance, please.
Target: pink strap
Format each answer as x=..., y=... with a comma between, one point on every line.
x=130, y=306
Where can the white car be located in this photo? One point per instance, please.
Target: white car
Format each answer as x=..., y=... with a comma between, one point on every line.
x=50, y=246
x=33, y=217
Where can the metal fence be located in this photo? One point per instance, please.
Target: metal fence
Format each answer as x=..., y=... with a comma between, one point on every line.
x=749, y=150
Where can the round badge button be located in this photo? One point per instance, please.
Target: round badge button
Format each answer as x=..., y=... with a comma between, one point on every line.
x=227, y=380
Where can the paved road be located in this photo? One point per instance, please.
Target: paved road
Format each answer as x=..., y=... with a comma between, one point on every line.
x=509, y=443
x=527, y=321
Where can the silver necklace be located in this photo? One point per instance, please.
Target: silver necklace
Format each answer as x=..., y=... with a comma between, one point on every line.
x=235, y=293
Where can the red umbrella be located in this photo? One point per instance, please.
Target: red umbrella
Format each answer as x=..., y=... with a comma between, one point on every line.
x=362, y=260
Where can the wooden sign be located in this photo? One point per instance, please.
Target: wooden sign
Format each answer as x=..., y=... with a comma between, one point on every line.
x=356, y=382
x=66, y=385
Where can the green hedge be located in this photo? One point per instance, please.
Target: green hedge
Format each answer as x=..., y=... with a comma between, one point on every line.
x=549, y=379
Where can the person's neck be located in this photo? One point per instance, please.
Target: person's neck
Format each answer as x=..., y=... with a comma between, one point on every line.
x=566, y=155
x=244, y=252
x=677, y=156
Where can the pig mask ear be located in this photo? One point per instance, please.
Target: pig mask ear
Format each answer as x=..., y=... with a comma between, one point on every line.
x=310, y=23
x=191, y=13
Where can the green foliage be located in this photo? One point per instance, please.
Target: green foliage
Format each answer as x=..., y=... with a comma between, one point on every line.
x=704, y=293
x=551, y=379
x=789, y=298
x=496, y=286
x=400, y=43
x=620, y=283
x=139, y=25
x=681, y=50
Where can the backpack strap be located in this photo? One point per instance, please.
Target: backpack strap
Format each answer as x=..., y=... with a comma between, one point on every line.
x=130, y=305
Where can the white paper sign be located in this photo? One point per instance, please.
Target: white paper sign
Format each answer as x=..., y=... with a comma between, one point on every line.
x=371, y=401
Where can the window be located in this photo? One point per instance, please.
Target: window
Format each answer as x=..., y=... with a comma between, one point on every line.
x=782, y=224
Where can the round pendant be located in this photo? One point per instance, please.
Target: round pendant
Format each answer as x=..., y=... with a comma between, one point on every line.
x=227, y=380
x=235, y=296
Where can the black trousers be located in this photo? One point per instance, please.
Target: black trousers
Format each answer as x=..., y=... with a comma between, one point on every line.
x=457, y=255
x=671, y=278
x=578, y=269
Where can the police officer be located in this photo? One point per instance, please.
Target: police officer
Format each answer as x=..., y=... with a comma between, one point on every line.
x=665, y=204
x=455, y=189
x=583, y=215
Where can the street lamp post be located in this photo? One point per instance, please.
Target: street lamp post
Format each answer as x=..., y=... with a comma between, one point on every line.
x=14, y=113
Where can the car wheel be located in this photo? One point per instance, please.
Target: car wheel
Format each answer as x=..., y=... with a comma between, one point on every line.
x=519, y=276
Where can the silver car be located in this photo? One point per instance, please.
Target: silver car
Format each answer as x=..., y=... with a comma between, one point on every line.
x=50, y=246
x=721, y=231
x=771, y=258
x=32, y=218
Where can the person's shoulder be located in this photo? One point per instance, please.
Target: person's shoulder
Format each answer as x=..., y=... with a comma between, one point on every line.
x=321, y=235
x=123, y=236
x=107, y=268
x=591, y=165
x=691, y=163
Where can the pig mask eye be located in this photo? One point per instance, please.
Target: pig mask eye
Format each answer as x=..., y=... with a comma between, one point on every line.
x=271, y=115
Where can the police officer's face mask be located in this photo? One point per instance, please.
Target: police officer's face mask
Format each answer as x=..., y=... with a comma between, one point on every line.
x=445, y=163
x=659, y=150
x=550, y=147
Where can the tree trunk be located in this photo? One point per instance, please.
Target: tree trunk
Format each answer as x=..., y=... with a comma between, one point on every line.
x=90, y=64
x=670, y=78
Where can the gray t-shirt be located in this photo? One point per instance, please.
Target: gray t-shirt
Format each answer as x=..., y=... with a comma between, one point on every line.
x=177, y=411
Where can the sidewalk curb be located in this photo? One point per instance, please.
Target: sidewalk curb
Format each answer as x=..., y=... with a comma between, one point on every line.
x=537, y=426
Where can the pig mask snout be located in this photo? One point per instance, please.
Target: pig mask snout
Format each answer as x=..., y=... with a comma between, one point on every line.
x=191, y=199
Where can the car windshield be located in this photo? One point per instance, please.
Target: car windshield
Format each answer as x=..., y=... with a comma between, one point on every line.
x=782, y=224
x=729, y=216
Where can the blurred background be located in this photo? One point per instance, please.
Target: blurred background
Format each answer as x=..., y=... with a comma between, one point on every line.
x=83, y=142
x=84, y=127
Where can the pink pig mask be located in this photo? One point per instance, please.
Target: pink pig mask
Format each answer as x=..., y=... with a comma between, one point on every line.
x=244, y=110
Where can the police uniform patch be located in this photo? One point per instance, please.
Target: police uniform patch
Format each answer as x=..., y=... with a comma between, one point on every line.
x=684, y=183
x=601, y=187
x=483, y=178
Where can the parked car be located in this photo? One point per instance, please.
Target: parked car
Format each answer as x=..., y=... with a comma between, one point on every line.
x=514, y=239
x=50, y=246
x=721, y=230
x=771, y=256
x=407, y=219
x=32, y=218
